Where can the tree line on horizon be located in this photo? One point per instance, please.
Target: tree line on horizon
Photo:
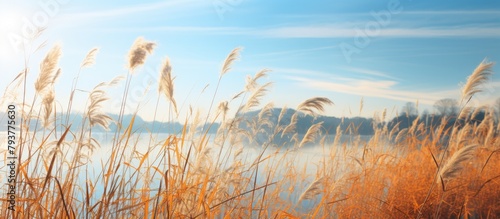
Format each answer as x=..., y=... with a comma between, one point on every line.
x=447, y=107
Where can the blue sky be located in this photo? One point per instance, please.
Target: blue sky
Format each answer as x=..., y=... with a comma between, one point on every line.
x=386, y=52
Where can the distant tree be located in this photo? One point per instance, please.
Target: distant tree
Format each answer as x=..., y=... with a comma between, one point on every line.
x=409, y=109
x=447, y=107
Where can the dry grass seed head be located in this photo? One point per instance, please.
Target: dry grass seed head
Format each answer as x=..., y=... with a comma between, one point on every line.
x=282, y=113
x=251, y=83
x=166, y=84
x=195, y=123
x=254, y=99
x=314, y=104
x=48, y=106
x=89, y=58
x=455, y=163
x=477, y=111
x=312, y=190
x=48, y=69
x=223, y=108
x=414, y=125
x=311, y=134
x=402, y=134
x=338, y=134
x=233, y=56
x=266, y=111
x=465, y=113
x=139, y=51
x=479, y=76
x=394, y=130
x=94, y=111
x=291, y=127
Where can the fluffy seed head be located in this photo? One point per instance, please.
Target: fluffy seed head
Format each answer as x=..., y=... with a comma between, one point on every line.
x=166, y=84
x=314, y=104
x=455, y=164
x=89, y=58
x=139, y=51
x=233, y=56
x=311, y=134
x=48, y=69
x=312, y=190
x=479, y=76
x=48, y=106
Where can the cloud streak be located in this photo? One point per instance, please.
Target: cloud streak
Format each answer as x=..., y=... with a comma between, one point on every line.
x=387, y=89
x=370, y=72
x=339, y=31
x=132, y=9
x=331, y=31
x=407, y=24
x=373, y=88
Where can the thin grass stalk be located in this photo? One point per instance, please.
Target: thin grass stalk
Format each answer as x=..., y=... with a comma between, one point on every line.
x=234, y=55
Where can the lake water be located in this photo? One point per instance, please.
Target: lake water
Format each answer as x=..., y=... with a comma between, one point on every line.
x=304, y=160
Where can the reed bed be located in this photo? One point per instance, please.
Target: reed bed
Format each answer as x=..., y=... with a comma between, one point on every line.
x=407, y=173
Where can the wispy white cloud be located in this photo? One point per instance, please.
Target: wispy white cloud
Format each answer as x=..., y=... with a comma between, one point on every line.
x=405, y=28
x=294, y=51
x=132, y=9
x=376, y=88
x=494, y=12
x=387, y=89
x=407, y=24
x=336, y=31
x=177, y=29
x=455, y=12
x=351, y=71
x=300, y=72
x=370, y=72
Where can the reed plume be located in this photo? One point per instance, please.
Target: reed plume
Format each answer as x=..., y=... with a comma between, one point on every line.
x=266, y=111
x=311, y=134
x=223, y=107
x=233, y=56
x=465, y=113
x=338, y=134
x=312, y=190
x=97, y=98
x=251, y=82
x=139, y=51
x=282, y=113
x=314, y=104
x=290, y=127
x=477, y=111
x=89, y=59
x=402, y=134
x=166, y=84
x=455, y=163
x=48, y=106
x=48, y=69
x=479, y=76
x=254, y=99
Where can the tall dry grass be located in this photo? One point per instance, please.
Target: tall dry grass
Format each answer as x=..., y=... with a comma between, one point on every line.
x=398, y=173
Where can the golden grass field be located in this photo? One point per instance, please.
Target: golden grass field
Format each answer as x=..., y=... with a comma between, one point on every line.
x=407, y=173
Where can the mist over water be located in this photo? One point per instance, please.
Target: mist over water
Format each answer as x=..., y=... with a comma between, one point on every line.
x=277, y=161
